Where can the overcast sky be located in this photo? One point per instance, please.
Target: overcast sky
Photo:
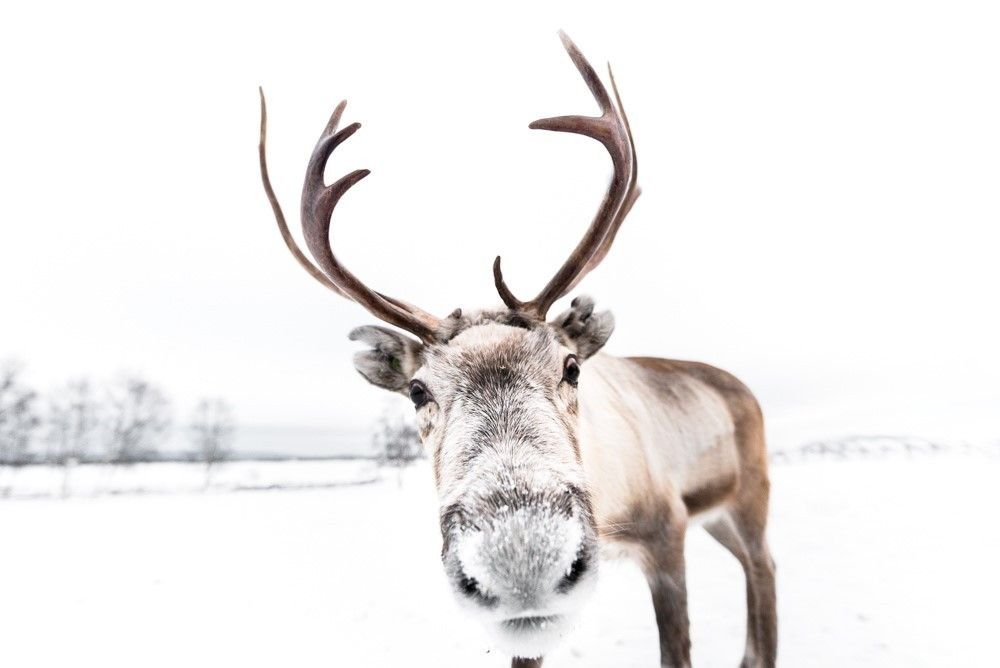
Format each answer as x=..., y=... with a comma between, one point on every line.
x=819, y=212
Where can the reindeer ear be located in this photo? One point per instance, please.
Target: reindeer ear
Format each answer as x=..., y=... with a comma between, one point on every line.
x=391, y=362
x=582, y=328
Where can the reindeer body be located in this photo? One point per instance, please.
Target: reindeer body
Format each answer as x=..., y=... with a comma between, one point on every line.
x=668, y=443
x=651, y=421
x=661, y=445
x=545, y=450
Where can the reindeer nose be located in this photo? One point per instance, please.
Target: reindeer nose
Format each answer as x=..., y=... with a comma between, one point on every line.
x=521, y=559
x=527, y=592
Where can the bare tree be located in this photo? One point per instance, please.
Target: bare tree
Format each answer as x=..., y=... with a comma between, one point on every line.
x=396, y=441
x=71, y=422
x=212, y=429
x=18, y=417
x=71, y=426
x=138, y=419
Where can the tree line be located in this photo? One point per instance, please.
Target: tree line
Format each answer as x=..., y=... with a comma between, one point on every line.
x=122, y=422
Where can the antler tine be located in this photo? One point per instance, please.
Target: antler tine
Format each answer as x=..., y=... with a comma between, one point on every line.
x=279, y=215
x=626, y=207
x=611, y=129
x=506, y=295
x=317, y=205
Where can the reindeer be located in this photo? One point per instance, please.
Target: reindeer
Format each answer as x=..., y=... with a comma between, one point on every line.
x=546, y=451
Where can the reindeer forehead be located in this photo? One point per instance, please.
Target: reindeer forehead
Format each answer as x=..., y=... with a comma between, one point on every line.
x=494, y=354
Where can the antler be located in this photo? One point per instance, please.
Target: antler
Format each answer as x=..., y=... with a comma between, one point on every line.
x=611, y=128
x=318, y=202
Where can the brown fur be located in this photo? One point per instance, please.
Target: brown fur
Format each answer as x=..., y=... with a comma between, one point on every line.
x=710, y=495
x=656, y=526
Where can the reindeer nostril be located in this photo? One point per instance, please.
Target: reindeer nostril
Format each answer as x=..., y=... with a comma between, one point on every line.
x=469, y=586
x=576, y=570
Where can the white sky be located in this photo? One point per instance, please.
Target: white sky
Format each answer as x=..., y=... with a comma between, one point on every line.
x=819, y=212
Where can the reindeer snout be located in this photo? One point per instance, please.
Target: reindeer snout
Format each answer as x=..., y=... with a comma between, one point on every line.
x=520, y=560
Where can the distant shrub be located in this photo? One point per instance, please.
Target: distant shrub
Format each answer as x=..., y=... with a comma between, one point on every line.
x=396, y=440
x=18, y=417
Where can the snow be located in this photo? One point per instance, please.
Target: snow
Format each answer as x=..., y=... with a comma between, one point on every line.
x=888, y=561
x=172, y=477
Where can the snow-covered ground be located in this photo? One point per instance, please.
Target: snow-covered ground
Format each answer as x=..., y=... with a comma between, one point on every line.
x=177, y=477
x=881, y=562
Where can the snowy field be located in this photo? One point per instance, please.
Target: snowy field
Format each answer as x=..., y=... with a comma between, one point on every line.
x=178, y=477
x=881, y=562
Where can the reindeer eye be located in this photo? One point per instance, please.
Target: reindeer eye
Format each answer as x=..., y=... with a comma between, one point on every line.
x=571, y=370
x=418, y=393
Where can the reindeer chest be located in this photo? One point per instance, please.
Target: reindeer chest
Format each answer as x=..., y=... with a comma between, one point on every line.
x=647, y=441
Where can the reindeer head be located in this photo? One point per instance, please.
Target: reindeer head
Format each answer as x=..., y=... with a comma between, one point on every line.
x=495, y=396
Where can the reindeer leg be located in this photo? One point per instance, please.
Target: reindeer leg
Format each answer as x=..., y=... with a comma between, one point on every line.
x=753, y=555
x=663, y=564
x=518, y=662
x=723, y=531
x=760, y=577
